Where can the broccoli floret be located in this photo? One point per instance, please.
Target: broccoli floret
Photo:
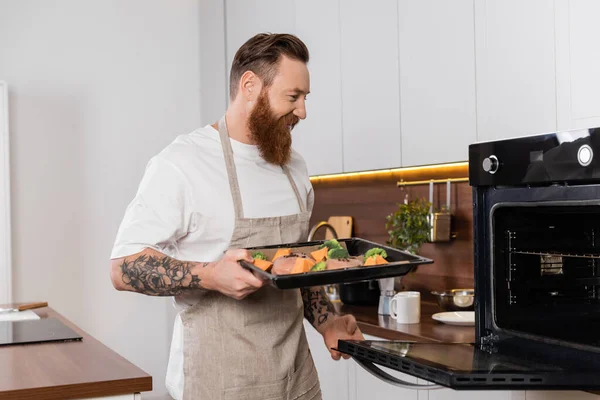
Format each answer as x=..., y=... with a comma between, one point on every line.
x=320, y=266
x=331, y=244
x=375, y=251
x=337, y=253
x=259, y=256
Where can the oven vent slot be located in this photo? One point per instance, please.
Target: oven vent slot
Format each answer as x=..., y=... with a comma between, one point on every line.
x=498, y=380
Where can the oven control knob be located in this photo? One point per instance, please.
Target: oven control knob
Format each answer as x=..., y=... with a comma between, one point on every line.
x=585, y=155
x=491, y=164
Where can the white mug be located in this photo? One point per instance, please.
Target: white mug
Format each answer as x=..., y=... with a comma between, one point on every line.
x=405, y=307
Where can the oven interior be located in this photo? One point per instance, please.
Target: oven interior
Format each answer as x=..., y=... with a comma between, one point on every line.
x=546, y=277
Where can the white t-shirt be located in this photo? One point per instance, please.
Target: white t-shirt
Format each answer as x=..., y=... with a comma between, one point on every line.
x=184, y=209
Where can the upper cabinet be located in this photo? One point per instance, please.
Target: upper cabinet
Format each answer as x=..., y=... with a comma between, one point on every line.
x=404, y=82
x=319, y=137
x=370, y=86
x=577, y=64
x=246, y=18
x=437, y=80
x=515, y=68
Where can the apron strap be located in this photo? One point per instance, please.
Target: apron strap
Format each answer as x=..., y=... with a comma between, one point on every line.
x=233, y=177
x=286, y=170
x=231, y=172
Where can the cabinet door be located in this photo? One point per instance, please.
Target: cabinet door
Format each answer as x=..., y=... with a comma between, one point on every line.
x=437, y=80
x=246, y=18
x=577, y=64
x=449, y=394
x=370, y=89
x=319, y=137
x=366, y=386
x=333, y=375
x=515, y=66
x=559, y=395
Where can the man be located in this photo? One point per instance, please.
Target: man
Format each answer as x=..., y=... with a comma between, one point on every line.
x=202, y=200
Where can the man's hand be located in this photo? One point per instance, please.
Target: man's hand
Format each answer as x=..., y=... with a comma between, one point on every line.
x=340, y=327
x=229, y=277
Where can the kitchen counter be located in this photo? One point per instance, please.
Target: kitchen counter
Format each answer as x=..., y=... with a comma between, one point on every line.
x=67, y=370
x=428, y=330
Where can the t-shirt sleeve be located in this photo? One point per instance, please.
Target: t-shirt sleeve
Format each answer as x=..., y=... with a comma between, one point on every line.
x=159, y=214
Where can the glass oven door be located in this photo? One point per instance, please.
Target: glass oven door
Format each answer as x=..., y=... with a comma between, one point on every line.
x=511, y=366
x=546, y=272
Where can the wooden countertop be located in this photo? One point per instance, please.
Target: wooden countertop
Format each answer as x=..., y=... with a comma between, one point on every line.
x=67, y=370
x=428, y=330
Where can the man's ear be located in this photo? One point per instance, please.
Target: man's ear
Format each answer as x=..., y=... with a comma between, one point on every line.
x=249, y=86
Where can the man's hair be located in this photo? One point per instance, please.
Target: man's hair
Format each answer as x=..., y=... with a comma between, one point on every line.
x=261, y=55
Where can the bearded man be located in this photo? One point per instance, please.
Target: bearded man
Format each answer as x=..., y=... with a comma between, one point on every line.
x=204, y=199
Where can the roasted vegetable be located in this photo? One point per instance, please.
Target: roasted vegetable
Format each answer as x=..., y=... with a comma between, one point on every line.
x=331, y=244
x=375, y=251
x=281, y=253
x=320, y=266
x=259, y=256
x=263, y=264
x=338, y=253
x=302, y=265
x=320, y=255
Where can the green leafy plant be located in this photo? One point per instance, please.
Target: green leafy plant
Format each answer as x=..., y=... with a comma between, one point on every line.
x=409, y=226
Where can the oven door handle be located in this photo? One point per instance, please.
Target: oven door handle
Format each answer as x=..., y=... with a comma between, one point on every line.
x=392, y=380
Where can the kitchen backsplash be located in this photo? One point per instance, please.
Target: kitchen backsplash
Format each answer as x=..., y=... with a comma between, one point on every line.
x=369, y=202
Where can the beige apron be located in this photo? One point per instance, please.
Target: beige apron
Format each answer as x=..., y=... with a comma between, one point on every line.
x=255, y=348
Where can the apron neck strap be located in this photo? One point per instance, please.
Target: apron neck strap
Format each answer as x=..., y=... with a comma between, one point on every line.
x=233, y=177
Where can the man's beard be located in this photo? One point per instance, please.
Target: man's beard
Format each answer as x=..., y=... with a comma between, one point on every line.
x=272, y=135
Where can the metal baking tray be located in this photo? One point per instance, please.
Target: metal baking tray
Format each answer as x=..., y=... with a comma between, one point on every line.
x=400, y=263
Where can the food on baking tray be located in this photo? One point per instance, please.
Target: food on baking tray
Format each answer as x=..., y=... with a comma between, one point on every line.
x=320, y=255
x=259, y=255
x=281, y=253
x=374, y=251
x=286, y=264
x=331, y=255
x=375, y=256
x=331, y=244
x=302, y=265
x=375, y=260
x=337, y=253
x=263, y=264
x=320, y=266
x=341, y=263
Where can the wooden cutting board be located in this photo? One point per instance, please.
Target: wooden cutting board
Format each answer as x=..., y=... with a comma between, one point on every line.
x=342, y=225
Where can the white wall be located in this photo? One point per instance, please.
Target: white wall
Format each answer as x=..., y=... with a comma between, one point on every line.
x=5, y=231
x=96, y=89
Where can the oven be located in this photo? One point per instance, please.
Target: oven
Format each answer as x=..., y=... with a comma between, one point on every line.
x=536, y=221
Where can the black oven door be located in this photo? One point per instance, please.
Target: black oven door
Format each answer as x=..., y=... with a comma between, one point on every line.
x=511, y=366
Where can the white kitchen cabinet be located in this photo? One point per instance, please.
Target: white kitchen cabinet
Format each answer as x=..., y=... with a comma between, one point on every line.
x=246, y=18
x=365, y=386
x=577, y=64
x=437, y=80
x=515, y=68
x=370, y=84
x=559, y=395
x=333, y=375
x=449, y=394
x=319, y=137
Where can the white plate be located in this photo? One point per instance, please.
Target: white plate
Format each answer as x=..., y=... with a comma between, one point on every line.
x=463, y=318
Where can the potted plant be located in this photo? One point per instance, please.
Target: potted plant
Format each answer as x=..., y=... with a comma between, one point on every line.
x=409, y=226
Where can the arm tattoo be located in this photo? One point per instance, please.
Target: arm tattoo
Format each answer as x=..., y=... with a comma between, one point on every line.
x=317, y=307
x=159, y=275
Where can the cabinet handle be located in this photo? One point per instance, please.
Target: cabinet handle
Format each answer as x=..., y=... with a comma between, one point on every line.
x=392, y=380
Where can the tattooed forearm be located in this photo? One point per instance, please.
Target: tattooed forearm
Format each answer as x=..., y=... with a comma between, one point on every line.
x=158, y=275
x=317, y=307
